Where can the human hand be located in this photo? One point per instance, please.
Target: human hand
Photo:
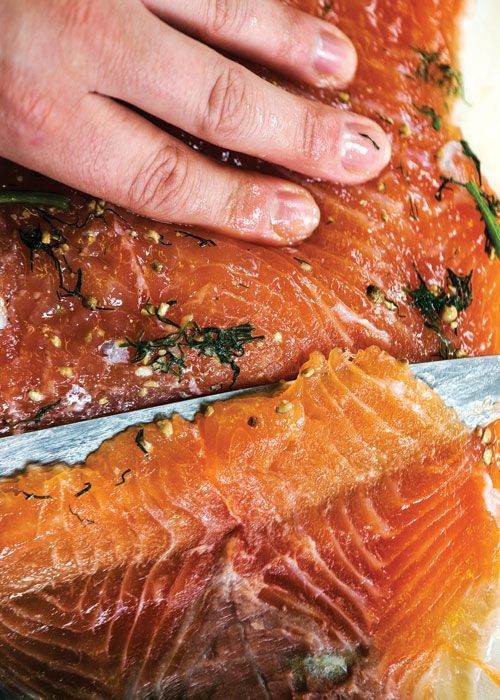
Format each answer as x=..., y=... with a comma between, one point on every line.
x=68, y=69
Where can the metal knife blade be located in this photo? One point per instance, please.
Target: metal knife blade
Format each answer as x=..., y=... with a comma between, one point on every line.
x=471, y=386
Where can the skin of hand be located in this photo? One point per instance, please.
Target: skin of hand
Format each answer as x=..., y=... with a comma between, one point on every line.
x=70, y=68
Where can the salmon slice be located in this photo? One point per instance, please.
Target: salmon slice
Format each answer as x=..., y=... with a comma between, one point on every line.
x=334, y=540
x=63, y=357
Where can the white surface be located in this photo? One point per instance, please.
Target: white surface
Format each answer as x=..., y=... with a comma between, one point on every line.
x=479, y=117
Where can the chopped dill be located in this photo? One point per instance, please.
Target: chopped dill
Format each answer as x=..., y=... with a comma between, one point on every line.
x=167, y=353
x=39, y=415
x=202, y=242
x=432, y=114
x=86, y=489
x=413, y=209
x=431, y=69
x=38, y=241
x=122, y=477
x=28, y=496
x=367, y=136
x=432, y=303
x=139, y=441
x=226, y=344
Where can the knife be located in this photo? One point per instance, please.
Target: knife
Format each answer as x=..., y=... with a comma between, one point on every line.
x=471, y=386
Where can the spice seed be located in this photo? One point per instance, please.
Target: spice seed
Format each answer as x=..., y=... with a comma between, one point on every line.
x=488, y=456
x=284, y=407
x=166, y=427
x=308, y=372
x=449, y=314
x=487, y=436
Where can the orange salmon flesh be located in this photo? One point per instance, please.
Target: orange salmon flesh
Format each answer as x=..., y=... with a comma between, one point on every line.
x=313, y=542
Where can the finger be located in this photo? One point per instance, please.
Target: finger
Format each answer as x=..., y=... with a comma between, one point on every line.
x=117, y=155
x=189, y=85
x=267, y=32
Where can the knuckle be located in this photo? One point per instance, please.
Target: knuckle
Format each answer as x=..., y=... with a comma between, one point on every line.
x=228, y=107
x=92, y=25
x=162, y=184
x=30, y=113
x=226, y=16
x=81, y=16
x=313, y=138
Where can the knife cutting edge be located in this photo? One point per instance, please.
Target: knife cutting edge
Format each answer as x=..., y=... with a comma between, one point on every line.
x=471, y=386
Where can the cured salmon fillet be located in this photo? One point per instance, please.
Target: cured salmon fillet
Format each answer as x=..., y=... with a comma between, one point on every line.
x=331, y=541
x=63, y=357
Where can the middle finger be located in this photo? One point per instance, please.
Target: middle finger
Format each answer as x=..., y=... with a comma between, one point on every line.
x=191, y=86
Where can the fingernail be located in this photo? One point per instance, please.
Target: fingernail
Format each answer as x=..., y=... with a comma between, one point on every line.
x=294, y=215
x=335, y=58
x=365, y=148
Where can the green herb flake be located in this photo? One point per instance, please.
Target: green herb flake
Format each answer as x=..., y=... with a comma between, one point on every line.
x=202, y=242
x=139, y=441
x=432, y=302
x=38, y=416
x=86, y=489
x=29, y=496
x=34, y=239
x=167, y=353
x=374, y=143
x=433, y=116
x=413, y=209
x=122, y=477
x=431, y=69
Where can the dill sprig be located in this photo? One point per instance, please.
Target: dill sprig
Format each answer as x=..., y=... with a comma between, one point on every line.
x=226, y=344
x=166, y=354
x=487, y=204
x=433, y=302
x=469, y=153
x=39, y=415
x=48, y=243
x=431, y=69
x=202, y=242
